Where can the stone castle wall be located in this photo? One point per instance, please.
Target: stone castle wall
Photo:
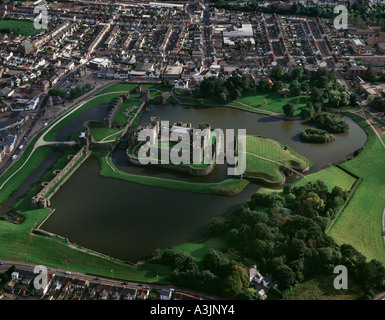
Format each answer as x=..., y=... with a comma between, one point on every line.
x=40, y=201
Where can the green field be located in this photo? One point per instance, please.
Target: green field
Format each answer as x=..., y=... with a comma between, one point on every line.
x=24, y=28
x=271, y=102
x=272, y=150
x=360, y=224
x=34, y=161
x=332, y=176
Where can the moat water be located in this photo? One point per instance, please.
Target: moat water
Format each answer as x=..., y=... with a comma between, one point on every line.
x=129, y=221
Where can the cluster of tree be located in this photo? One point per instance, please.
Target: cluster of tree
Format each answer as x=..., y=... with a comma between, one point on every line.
x=225, y=90
x=323, y=77
x=79, y=91
x=296, y=9
x=316, y=136
x=284, y=234
x=377, y=104
x=370, y=75
x=288, y=109
x=311, y=109
x=362, y=17
x=57, y=92
x=330, y=123
x=220, y=275
x=338, y=97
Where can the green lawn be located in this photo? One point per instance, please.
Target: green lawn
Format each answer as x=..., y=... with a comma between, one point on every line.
x=271, y=102
x=332, y=176
x=360, y=224
x=269, y=149
x=25, y=28
x=34, y=161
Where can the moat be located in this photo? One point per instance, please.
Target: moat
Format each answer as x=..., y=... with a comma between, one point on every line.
x=129, y=221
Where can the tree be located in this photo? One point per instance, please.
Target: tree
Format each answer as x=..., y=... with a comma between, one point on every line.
x=277, y=86
x=288, y=109
x=295, y=87
x=235, y=282
x=334, y=98
x=217, y=227
x=316, y=95
x=87, y=87
x=323, y=82
x=297, y=73
x=214, y=261
x=370, y=74
x=353, y=100
x=285, y=276
x=278, y=73
x=222, y=97
x=265, y=85
x=305, y=88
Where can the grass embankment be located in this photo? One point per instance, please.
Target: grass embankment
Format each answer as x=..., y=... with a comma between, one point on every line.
x=120, y=87
x=272, y=150
x=24, y=28
x=226, y=187
x=34, y=161
x=360, y=223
